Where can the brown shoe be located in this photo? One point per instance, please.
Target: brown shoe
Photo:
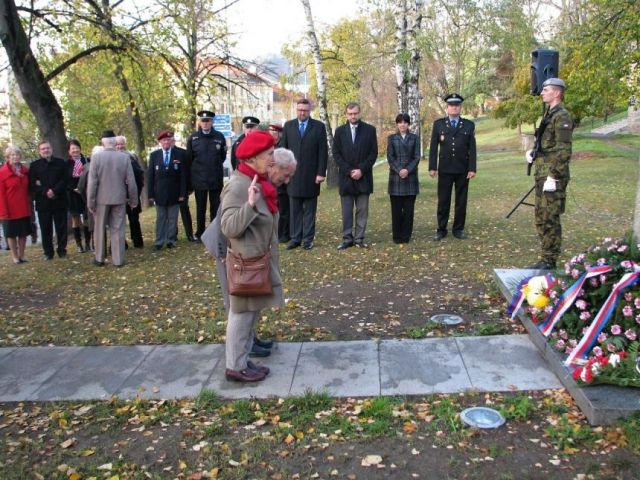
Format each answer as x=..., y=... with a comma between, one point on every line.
x=244, y=376
x=258, y=368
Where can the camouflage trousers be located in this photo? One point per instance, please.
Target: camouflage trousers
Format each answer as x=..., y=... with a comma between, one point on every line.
x=548, y=208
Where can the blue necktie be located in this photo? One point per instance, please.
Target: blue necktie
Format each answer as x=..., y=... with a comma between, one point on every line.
x=454, y=122
x=166, y=159
x=301, y=129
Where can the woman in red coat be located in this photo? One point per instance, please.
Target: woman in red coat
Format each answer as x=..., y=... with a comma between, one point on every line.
x=15, y=203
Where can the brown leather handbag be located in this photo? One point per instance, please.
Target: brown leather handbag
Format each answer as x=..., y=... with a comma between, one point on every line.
x=248, y=277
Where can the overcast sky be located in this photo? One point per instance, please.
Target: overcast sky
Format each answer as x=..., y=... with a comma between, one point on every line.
x=263, y=26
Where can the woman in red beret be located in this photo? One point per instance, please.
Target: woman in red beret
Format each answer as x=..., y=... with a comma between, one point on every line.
x=249, y=221
x=15, y=203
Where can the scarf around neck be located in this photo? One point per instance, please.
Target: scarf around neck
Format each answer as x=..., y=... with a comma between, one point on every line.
x=269, y=192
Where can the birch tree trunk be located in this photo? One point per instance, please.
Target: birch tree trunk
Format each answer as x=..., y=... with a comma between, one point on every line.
x=332, y=168
x=408, y=18
x=636, y=213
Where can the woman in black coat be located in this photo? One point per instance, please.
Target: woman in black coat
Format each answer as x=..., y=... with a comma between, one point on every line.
x=403, y=155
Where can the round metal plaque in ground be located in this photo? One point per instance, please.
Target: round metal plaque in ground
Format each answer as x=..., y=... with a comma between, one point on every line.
x=482, y=417
x=447, y=319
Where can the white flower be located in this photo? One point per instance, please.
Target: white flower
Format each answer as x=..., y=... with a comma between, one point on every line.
x=614, y=360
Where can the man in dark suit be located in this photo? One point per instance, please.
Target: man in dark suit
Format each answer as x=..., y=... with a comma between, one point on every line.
x=307, y=139
x=355, y=149
x=206, y=153
x=48, y=178
x=455, y=165
x=167, y=187
x=249, y=124
x=133, y=214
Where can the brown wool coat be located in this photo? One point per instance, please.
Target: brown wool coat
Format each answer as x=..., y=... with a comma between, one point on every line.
x=250, y=231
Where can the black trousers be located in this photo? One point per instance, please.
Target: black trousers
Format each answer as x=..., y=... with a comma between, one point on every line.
x=133, y=215
x=185, y=215
x=283, y=223
x=201, y=207
x=402, y=208
x=48, y=219
x=446, y=183
x=303, y=219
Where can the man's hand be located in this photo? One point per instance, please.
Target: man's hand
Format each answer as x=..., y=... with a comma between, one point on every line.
x=50, y=193
x=433, y=173
x=319, y=179
x=471, y=174
x=549, y=185
x=356, y=174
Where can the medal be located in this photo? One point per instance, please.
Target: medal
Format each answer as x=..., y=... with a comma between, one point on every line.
x=441, y=137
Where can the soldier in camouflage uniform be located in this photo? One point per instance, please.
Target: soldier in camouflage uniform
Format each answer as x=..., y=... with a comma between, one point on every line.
x=552, y=172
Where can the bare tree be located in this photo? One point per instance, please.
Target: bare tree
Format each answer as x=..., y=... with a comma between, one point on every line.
x=408, y=18
x=332, y=168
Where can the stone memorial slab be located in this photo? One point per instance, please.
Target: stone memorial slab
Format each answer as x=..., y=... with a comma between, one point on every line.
x=173, y=371
x=505, y=363
x=4, y=351
x=94, y=373
x=339, y=368
x=282, y=362
x=26, y=368
x=417, y=367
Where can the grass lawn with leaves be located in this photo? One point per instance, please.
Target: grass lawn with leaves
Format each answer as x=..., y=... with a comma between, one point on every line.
x=386, y=291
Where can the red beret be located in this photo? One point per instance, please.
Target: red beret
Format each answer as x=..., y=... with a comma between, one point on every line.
x=254, y=143
x=165, y=134
x=275, y=126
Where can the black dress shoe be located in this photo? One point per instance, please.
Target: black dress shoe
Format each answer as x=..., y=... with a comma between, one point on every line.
x=157, y=248
x=293, y=245
x=542, y=265
x=345, y=244
x=308, y=245
x=362, y=244
x=439, y=236
x=98, y=263
x=460, y=235
x=191, y=238
x=263, y=343
x=243, y=376
x=257, y=351
x=283, y=239
x=170, y=245
x=48, y=257
x=258, y=368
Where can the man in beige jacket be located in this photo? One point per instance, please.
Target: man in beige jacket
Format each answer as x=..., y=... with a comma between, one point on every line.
x=111, y=181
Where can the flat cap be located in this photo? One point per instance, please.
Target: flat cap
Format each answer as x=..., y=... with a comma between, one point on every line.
x=206, y=114
x=554, y=82
x=454, y=98
x=164, y=134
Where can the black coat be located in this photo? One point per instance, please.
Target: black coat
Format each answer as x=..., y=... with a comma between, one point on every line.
x=45, y=175
x=166, y=185
x=206, y=154
x=311, y=152
x=350, y=155
x=457, y=148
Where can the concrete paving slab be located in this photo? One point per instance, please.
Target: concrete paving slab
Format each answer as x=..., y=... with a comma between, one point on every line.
x=282, y=362
x=95, y=373
x=24, y=370
x=505, y=362
x=173, y=371
x=4, y=351
x=340, y=368
x=422, y=367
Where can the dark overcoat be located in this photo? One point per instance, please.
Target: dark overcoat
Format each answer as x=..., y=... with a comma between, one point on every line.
x=457, y=147
x=45, y=175
x=167, y=184
x=311, y=152
x=359, y=154
x=403, y=154
x=206, y=153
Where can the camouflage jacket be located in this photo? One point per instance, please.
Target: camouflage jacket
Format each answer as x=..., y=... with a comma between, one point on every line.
x=555, y=145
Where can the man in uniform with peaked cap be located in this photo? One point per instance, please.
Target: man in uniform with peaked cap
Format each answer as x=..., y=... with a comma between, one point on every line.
x=249, y=124
x=452, y=158
x=552, y=172
x=206, y=153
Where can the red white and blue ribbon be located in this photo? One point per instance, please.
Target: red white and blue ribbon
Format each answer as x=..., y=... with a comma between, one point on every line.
x=518, y=298
x=601, y=319
x=569, y=297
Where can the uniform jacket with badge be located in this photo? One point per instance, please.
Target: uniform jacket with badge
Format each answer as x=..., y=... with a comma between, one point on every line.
x=311, y=152
x=403, y=153
x=206, y=153
x=166, y=185
x=111, y=180
x=15, y=202
x=453, y=150
x=45, y=175
x=251, y=232
x=351, y=155
x=555, y=147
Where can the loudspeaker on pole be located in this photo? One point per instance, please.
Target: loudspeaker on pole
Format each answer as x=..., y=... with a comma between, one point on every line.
x=544, y=65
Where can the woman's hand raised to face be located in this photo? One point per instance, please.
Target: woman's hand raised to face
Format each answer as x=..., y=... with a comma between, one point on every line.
x=254, y=192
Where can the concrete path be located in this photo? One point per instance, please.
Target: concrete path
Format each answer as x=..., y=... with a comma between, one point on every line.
x=343, y=369
x=611, y=128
